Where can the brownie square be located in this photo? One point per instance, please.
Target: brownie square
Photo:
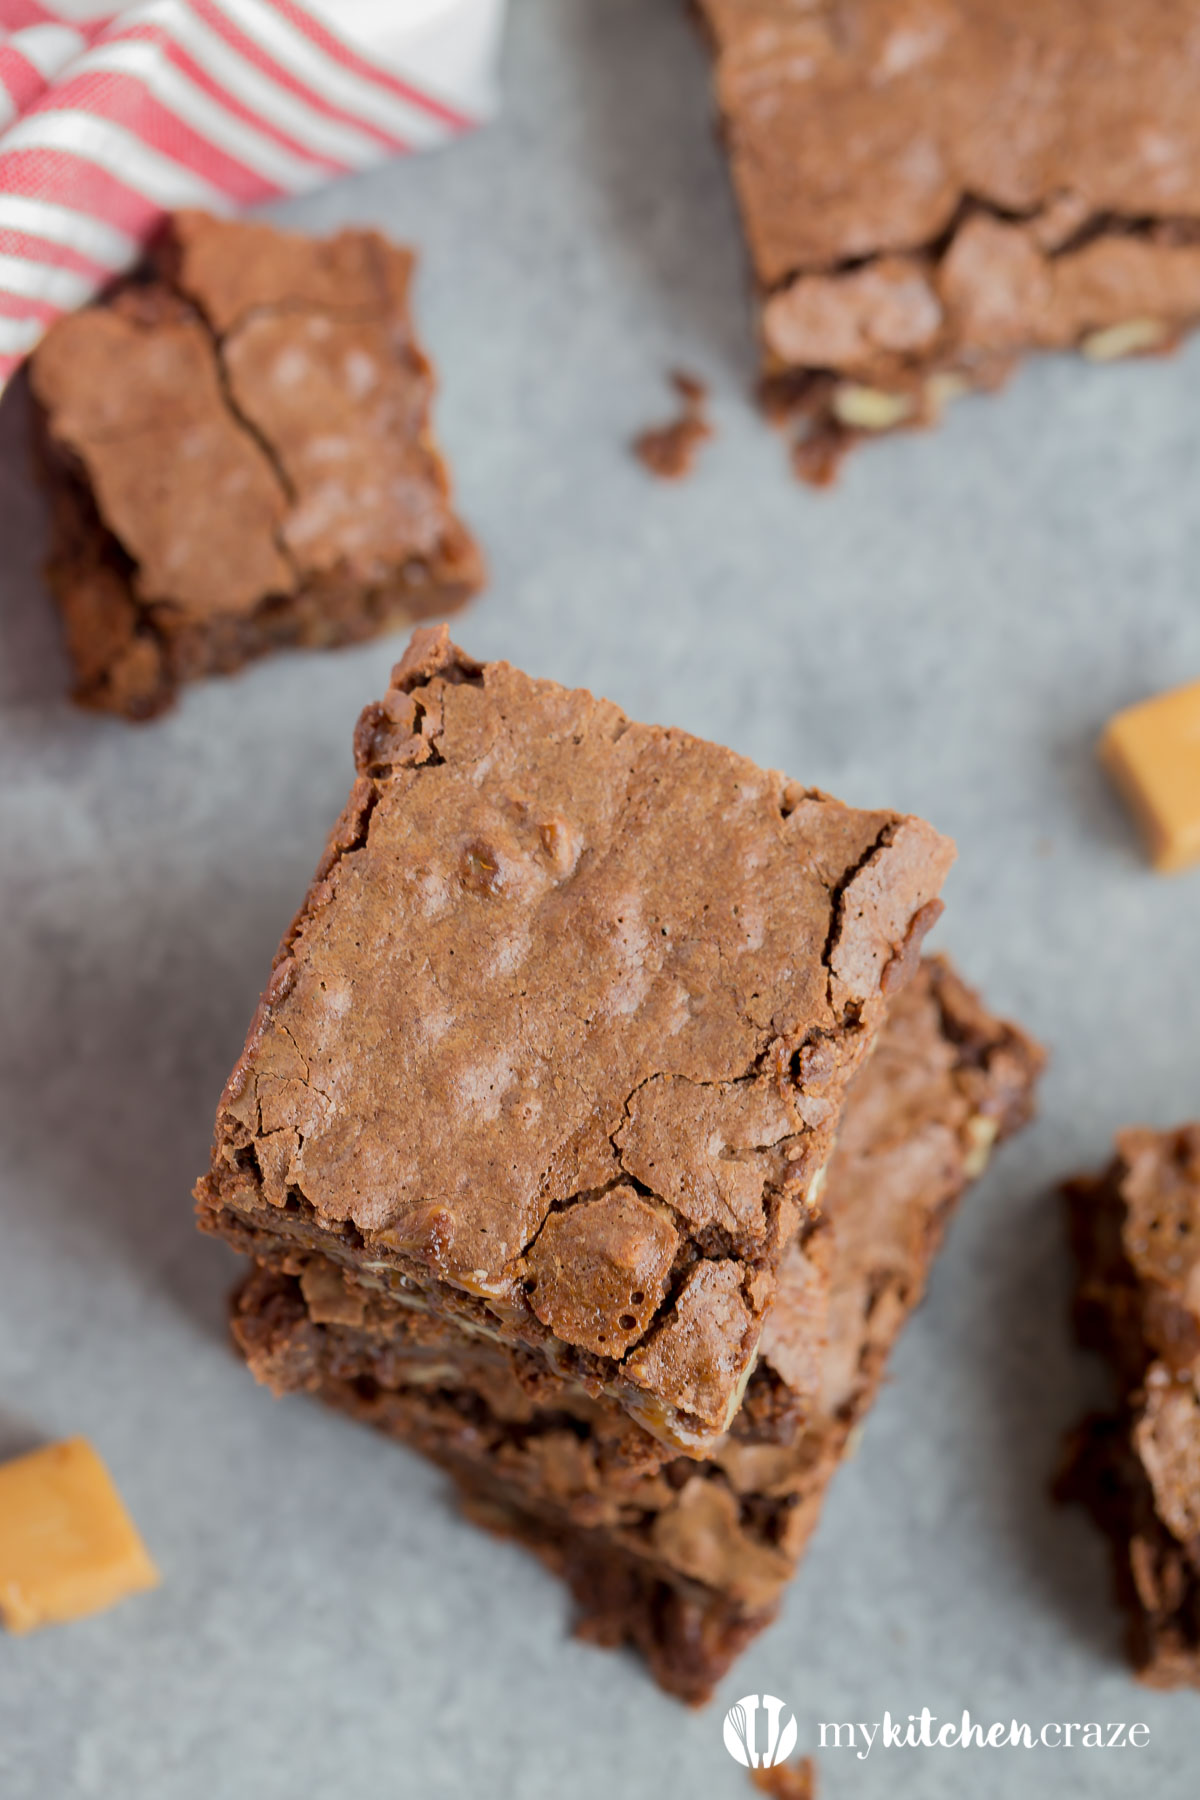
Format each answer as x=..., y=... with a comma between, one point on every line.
x=1136, y=1235
x=687, y=1560
x=558, y=1042
x=240, y=458
x=931, y=188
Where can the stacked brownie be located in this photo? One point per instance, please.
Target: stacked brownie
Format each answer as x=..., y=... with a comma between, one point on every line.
x=1136, y=1233
x=931, y=188
x=262, y=473
x=529, y=1137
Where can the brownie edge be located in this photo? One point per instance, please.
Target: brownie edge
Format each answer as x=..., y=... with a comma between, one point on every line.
x=1135, y=1231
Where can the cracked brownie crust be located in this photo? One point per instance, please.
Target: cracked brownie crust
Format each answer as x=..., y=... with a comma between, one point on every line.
x=684, y=1559
x=932, y=187
x=1136, y=1234
x=569, y=992
x=239, y=454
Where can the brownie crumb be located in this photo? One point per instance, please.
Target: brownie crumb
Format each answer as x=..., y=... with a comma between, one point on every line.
x=670, y=451
x=818, y=455
x=787, y=1781
x=691, y=390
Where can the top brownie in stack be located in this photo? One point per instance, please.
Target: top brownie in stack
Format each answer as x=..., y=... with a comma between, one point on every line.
x=240, y=457
x=557, y=1045
x=931, y=187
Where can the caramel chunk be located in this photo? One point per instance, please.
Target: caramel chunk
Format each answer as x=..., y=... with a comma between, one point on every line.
x=67, y=1546
x=1152, y=752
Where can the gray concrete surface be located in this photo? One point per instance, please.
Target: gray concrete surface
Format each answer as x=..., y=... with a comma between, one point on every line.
x=946, y=632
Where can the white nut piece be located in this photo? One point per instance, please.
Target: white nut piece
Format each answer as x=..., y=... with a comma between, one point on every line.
x=415, y=1373
x=942, y=388
x=981, y=1133
x=870, y=409
x=1130, y=338
x=739, y=1392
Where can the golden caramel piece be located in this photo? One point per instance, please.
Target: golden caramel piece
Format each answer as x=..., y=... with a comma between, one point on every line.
x=67, y=1546
x=1152, y=752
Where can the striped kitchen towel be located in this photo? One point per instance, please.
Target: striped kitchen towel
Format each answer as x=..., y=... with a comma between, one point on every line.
x=113, y=112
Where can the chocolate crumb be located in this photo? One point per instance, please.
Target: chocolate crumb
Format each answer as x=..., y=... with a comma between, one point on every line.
x=817, y=457
x=691, y=390
x=787, y=1781
x=669, y=451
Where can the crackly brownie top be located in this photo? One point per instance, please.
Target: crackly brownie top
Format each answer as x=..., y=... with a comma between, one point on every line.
x=862, y=126
x=252, y=418
x=569, y=1011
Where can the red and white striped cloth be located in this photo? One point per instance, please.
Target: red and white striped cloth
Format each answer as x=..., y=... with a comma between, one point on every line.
x=113, y=112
